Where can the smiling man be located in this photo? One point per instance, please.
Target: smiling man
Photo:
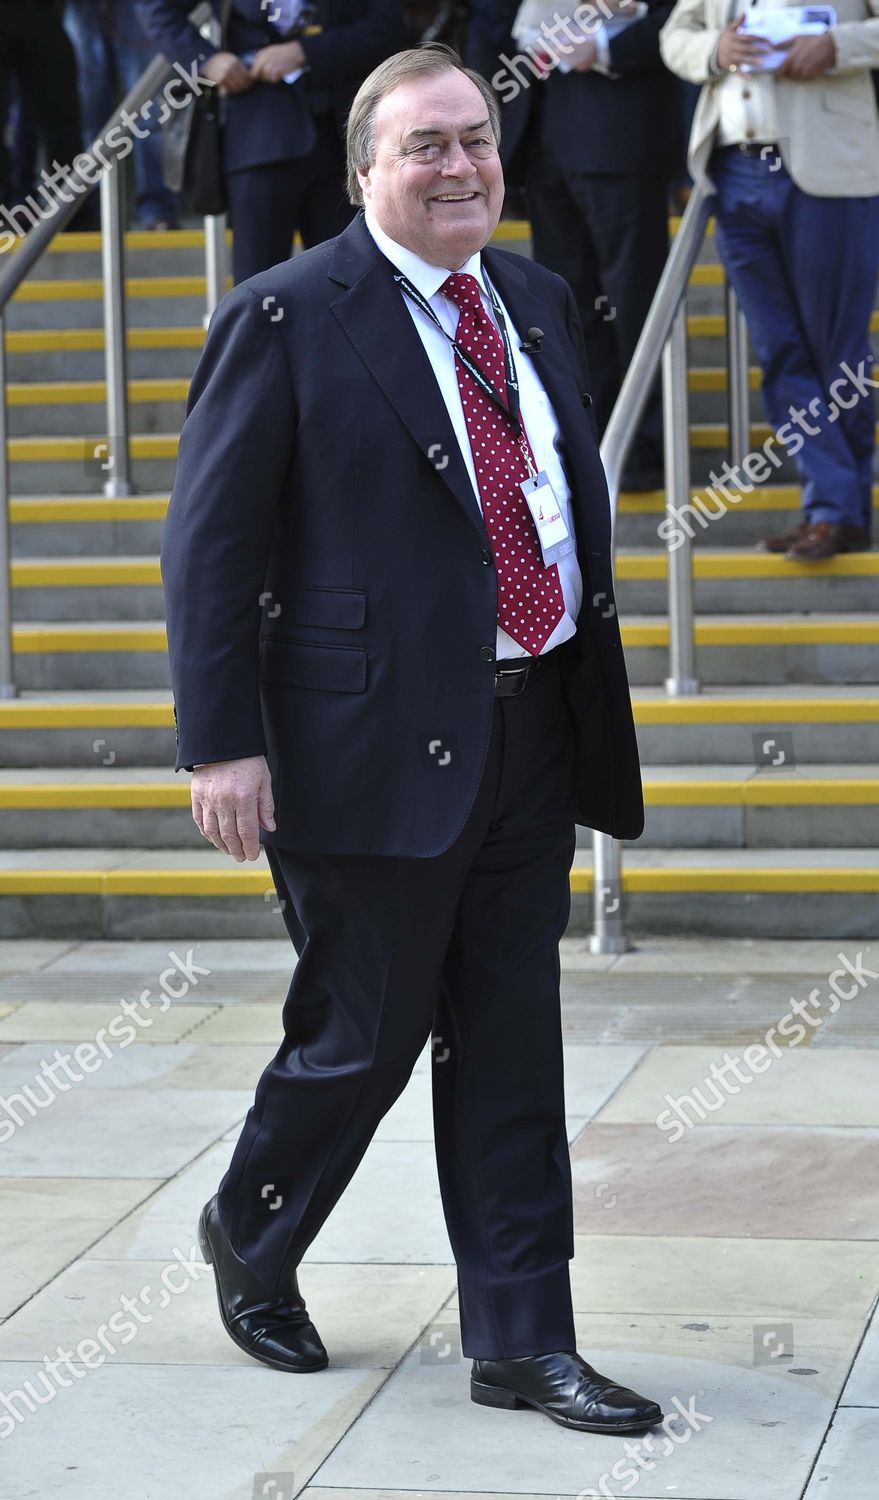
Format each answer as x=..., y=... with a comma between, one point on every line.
x=397, y=667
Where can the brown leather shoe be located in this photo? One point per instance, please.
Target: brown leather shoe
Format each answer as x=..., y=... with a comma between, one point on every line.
x=564, y=1387
x=784, y=539
x=818, y=543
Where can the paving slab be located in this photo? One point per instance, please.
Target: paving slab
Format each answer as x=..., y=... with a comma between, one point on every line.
x=161, y=1432
x=801, y=1087
x=79, y=1021
x=732, y=956
x=849, y=1459
x=422, y=1432
x=46, y=1222
x=241, y=955
x=820, y=1185
x=862, y=1387
x=368, y=1316
x=133, y=1132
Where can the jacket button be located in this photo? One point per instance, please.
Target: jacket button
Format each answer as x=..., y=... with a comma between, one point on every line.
x=586, y=398
x=487, y=653
x=486, y=556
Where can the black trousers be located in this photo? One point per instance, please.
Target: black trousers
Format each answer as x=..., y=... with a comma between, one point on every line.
x=268, y=203
x=463, y=946
x=35, y=49
x=607, y=235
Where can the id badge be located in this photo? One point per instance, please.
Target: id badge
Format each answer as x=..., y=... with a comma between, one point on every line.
x=552, y=532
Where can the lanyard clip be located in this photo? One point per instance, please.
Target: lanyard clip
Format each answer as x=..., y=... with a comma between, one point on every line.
x=526, y=454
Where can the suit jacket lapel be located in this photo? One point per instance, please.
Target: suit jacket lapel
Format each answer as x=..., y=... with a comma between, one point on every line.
x=369, y=307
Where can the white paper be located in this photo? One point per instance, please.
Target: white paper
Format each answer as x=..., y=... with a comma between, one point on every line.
x=782, y=24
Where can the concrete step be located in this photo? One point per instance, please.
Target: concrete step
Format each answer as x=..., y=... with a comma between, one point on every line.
x=734, y=650
x=91, y=525
x=149, y=807
x=790, y=727
x=130, y=588
x=151, y=893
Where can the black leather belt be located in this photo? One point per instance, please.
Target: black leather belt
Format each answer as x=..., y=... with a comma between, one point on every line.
x=512, y=675
x=762, y=149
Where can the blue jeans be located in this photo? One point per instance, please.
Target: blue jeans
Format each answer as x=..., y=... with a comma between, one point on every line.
x=804, y=269
x=111, y=55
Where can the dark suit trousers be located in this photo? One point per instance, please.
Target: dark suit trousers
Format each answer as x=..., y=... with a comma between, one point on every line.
x=607, y=235
x=464, y=946
x=268, y=203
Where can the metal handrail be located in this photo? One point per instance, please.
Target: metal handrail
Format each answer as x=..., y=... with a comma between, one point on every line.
x=115, y=453
x=664, y=341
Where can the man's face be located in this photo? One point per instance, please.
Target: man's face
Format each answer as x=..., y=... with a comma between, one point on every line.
x=436, y=185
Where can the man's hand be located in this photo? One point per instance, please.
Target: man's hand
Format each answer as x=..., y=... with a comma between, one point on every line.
x=588, y=59
x=734, y=48
x=271, y=63
x=227, y=70
x=807, y=56
x=230, y=799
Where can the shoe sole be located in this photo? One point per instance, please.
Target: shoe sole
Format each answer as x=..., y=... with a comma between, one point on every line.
x=499, y=1396
x=265, y=1359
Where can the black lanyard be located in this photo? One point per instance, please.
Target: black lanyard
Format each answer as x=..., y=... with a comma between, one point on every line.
x=510, y=407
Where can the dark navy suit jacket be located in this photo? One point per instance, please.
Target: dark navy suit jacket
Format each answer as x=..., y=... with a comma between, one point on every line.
x=329, y=595
x=273, y=122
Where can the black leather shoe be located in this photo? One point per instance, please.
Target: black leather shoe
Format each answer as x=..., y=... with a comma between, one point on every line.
x=566, y=1389
x=276, y=1330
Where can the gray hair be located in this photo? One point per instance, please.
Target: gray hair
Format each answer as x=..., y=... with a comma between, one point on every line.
x=417, y=62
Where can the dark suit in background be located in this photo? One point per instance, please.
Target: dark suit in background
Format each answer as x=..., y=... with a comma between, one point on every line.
x=332, y=604
x=283, y=143
x=601, y=152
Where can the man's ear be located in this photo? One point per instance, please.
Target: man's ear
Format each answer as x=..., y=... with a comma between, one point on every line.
x=363, y=178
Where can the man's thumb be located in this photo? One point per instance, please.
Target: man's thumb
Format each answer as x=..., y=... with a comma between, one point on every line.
x=265, y=807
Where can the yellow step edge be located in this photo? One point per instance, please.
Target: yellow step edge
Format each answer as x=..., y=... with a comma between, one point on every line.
x=751, y=564
x=765, y=497
x=763, y=711
x=23, y=713
x=129, y=572
x=82, y=573
x=257, y=881
x=36, y=449
x=713, y=325
x=151, y=637
x=89, y=508
x=91, y=392
x=702, y=378
x=65, y=340
x=91, y=288
x=746, y=792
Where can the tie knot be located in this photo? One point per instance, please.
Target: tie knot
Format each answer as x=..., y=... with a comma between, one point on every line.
x=463, y=289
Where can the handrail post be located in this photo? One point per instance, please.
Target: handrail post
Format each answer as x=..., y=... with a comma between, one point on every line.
x=682, y=678
x=215, y=262
x=118, y=464
x=737, y=380
x=608, y=932
x=7, y=684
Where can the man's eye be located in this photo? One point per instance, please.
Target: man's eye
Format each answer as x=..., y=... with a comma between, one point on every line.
x=427, y=151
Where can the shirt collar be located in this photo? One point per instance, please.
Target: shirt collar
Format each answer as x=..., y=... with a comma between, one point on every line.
x=426, y=278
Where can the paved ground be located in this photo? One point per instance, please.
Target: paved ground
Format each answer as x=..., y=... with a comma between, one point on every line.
x=727, y=1240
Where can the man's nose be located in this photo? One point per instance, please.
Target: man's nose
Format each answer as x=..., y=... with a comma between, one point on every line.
x=456, y=162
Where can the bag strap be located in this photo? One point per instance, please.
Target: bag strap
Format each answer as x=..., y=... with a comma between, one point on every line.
x=225, y=12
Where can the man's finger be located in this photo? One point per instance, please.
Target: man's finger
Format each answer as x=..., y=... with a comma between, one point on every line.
x=212, y=830
x=229, y=833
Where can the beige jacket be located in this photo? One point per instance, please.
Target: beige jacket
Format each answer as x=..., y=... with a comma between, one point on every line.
x=828, y=126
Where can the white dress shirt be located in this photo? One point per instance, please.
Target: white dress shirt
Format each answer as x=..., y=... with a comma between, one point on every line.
x=537, y=414
x=747, y=101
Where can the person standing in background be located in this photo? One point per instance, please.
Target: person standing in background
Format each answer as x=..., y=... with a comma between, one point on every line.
x=289, y=72
x=793, y=155
x=112, y=51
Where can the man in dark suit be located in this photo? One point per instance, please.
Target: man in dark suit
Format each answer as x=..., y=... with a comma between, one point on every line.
x=603, y=142
x=289, y=69
x=381, y=678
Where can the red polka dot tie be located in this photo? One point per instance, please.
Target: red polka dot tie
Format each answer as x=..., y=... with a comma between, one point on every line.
x=530, y=600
